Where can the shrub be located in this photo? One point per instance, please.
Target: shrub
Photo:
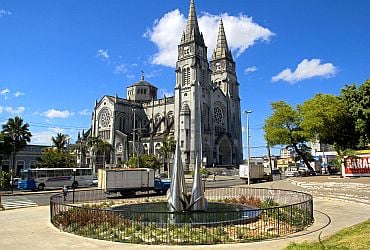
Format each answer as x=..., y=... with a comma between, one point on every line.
x=245, y=200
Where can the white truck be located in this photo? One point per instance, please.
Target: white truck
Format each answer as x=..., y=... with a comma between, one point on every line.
x=257, y=173
x=129, y=180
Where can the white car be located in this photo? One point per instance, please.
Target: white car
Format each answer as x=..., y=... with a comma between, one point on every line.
x=291, y=173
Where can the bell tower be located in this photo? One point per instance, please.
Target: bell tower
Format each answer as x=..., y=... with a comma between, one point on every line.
x=192, y=72
x=224, y=77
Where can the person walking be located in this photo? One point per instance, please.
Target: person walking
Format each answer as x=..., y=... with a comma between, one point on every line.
x=65, y=192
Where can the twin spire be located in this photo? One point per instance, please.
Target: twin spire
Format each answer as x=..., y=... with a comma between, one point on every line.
x=221, y=50
x=192, y=33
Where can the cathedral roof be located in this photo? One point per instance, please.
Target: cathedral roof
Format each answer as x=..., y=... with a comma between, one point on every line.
x=192, y=32
x=221, y=50
x=142, y=82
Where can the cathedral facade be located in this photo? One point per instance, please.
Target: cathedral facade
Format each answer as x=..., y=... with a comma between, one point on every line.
x=203, y=116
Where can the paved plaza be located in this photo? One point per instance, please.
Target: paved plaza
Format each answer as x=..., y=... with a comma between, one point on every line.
x=347, y=204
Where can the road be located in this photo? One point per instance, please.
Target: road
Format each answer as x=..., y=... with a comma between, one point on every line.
x=28, y=199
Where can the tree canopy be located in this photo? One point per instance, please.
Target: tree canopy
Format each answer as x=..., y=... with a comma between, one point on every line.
x=342, y=121
x=54, y=158
x=60, y=141
x=284, y=127
x=357, y=101
x=325, y=118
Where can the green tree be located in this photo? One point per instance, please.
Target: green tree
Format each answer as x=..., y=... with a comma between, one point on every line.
x=145, y=161
x=283, y=127
x=19, y=135
x=60, y=141
x=167, y=150
x=5, y=147
x=149, y=161
x=4, y=180
x=325, y=118
x=54, y=158
x=133, y=161
x=357, y=101
x=99, y=147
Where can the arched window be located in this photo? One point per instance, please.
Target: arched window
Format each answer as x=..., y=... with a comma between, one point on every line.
x=186, y=76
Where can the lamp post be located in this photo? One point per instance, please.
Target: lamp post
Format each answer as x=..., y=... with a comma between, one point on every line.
x=73, y=185
x=247, y=112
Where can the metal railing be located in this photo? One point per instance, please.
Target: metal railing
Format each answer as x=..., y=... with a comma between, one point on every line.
x=271, y=213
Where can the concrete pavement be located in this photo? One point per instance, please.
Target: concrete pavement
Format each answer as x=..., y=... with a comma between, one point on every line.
x=29, y=228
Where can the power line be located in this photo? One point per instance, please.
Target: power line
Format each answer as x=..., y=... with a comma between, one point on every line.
x=46, y=125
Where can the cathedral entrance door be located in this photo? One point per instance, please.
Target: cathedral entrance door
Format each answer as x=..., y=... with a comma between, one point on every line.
x=224, y=152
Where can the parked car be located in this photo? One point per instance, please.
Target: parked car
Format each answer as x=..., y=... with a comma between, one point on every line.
x=95, y=181
x=291, y=173
x=304, y=172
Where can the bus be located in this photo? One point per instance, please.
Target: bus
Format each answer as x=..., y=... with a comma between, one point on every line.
x=40, y=178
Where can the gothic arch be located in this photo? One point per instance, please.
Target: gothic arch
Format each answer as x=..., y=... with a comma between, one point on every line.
x=224, y=147
x=186, y=75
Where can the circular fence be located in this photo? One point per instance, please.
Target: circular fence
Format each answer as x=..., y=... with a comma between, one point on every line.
x=248, y=214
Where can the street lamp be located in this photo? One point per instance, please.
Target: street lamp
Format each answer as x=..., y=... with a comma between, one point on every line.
x=73, y=185
x=247, y=112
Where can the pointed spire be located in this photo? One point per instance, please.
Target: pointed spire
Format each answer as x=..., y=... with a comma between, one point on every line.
x=192, y=32
x=222, y=49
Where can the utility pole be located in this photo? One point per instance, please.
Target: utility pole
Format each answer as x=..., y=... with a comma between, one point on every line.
x=247, y=112
x=133, y=137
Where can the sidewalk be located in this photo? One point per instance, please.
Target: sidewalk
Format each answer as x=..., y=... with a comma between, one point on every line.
x=30, y=228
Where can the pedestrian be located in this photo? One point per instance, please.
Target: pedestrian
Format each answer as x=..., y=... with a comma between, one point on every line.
x=65, y=192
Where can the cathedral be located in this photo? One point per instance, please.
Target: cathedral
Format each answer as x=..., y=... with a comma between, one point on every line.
x=203, y=116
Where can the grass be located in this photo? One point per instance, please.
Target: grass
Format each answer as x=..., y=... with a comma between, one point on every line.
x=355, y=237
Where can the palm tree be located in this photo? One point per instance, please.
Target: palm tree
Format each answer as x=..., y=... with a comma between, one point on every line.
x=167, y=150
x=19, y=135
x=60, y=141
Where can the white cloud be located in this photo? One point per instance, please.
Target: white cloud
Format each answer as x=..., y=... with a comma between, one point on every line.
x=165, y=34
x=84, y=112
x=103, y=55
x=52, y=113
x=44, y=137
x=305, y=70
x=4, y=92
x=153, y=73
x=120, y=69
x=250, y=70
x=5, y=13
x=130, y=76
x=241, y=33
x=164, y=92
x=18, y=93
x=12, y=110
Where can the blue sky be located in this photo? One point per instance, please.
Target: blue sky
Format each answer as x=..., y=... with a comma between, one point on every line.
x=58, y=57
